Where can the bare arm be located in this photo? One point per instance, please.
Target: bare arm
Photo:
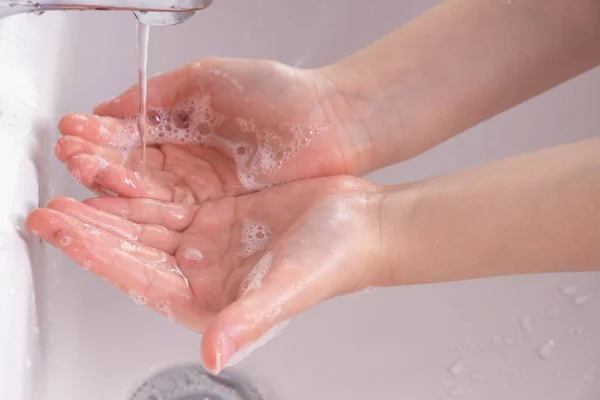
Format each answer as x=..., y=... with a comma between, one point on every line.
x=534, y=213
x=457, y=65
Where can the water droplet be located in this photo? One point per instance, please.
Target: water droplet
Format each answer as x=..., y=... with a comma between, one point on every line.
x=525, y=324
x=477, y=376
x=153, y=117
x=457, y=368
x=570, y=290
x=581, y=300
x=456, y=391
x=65, y=241
x=546, y=351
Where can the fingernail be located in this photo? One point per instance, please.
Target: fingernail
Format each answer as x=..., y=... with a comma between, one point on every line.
x=225, y=350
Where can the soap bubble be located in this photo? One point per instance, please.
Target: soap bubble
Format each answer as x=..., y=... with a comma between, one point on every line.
x=193, y=255
x=138, y=298
x=76, y=174
x=56, y=148
x=65, y=241
x=255, y=237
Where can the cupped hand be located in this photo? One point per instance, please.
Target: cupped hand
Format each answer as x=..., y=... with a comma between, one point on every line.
x=217, y=128
x=234, y=268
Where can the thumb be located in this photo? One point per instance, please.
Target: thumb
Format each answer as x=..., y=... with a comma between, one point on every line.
x=164, y=91
x=260, y=313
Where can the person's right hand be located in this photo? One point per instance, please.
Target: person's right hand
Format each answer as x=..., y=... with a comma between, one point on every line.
x=234, y=268
x=218, y=127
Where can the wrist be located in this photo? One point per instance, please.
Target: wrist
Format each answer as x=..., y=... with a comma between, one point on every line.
x=353, y=98
x=396, y=210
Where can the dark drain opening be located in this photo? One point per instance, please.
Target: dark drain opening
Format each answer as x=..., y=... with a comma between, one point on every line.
x=194, y=383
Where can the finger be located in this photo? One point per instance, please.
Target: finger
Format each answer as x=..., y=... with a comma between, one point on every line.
x=101, y=131
x=270, y=299
x=85, y=168
x=120, y=262
x=91, y=171
x=153, y=236
x=173, y=216
x=69, y=146
x=164, y=91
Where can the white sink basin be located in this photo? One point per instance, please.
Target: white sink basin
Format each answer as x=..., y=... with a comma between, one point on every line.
x=519, y=338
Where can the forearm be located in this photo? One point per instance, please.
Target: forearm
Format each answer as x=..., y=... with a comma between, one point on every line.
x=535, y=213
x=457, y=65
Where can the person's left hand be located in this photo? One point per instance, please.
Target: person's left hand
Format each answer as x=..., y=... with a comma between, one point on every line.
x=235, y=267
x=216, y=128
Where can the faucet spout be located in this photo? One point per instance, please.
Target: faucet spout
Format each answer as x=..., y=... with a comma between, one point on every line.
x=151, y=12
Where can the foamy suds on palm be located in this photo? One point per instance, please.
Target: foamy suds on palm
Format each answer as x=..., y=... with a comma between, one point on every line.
x=255, y=237
x=194, y=121
x=252, y=282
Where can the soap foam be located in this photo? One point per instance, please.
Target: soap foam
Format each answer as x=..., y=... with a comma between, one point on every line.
x=56, y=149
x=138, y=298
x=173, y=269
x=76, y=174
x=65, y=241
x=102, y=165
x=193, y=255
x=166, y=308
x=255, y=237
x=257, y=274
x=128, y=246
x=195, y=122
x=260, y=342
x=254, y=281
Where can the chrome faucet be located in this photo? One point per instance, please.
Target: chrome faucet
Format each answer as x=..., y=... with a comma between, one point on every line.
x=151, y=12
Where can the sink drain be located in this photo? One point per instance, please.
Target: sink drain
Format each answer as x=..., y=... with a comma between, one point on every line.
x=194, y=383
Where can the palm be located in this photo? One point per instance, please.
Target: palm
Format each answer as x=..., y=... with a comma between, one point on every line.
x=193, y=262
x=216, y=128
